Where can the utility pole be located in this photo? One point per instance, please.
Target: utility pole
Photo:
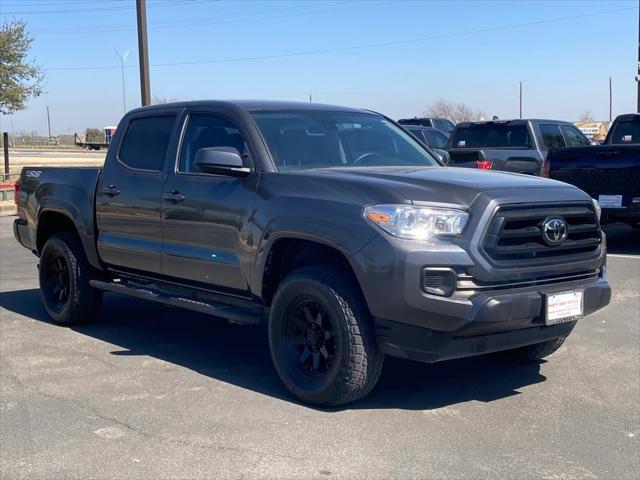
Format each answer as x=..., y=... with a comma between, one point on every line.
x=143, y=50
x=49, y=123
x=638, y=76
x=521, y=99
x=310, y=99
x=610, y=101
x=123, y=58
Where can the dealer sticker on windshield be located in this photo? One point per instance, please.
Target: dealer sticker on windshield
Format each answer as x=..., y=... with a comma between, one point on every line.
x=564, y=307
x=610, y=201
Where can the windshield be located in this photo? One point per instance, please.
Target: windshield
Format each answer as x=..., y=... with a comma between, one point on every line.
x=319, y=138
x=491, y=135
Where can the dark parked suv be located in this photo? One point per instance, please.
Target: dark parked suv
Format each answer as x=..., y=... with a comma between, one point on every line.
x=432, y=138
x=443, y=124
x=333, y=225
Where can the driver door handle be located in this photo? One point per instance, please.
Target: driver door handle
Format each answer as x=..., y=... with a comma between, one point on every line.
x=173, y=196
x=111, y=191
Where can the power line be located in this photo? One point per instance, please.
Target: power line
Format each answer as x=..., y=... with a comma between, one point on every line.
x=56, y=3
x=363, y=46
x=256, y=17
x=168, y=3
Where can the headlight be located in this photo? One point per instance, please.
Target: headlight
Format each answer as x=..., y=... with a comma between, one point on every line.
x=416, y=223
x=597, y=208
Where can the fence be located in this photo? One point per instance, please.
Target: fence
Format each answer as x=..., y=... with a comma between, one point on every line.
x=7, y=186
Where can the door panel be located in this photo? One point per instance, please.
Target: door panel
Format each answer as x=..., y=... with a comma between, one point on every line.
x=205, y=217
x=128, y=197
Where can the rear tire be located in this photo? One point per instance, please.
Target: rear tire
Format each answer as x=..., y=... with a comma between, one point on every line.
x=322, y=338
x=535, y=352
x=64, y=281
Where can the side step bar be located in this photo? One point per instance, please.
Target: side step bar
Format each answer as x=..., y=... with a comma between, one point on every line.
x=245, y=315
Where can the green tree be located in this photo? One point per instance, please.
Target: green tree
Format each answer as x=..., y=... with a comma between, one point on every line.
x=20, y=78
x=94, y=135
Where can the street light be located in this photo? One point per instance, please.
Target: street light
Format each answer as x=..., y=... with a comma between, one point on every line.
x=123, y=58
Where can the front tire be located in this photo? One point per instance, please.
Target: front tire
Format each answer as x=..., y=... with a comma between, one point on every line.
x=535, y=352
x=322, y=338
x=64, y=281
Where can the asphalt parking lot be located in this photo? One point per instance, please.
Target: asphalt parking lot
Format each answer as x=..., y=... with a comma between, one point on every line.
x=152, y=392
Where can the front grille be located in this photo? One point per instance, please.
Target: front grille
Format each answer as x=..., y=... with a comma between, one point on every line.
x=515, y=235
x=466, y=282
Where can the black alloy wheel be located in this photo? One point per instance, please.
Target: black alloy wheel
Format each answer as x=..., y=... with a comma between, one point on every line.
x=310, y=338
x=56, y=283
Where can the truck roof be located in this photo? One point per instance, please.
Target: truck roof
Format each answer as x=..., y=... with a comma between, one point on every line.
x=253, y=105
x=514, y=121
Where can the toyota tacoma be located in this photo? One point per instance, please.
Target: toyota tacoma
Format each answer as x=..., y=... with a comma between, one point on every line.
x=332, y=225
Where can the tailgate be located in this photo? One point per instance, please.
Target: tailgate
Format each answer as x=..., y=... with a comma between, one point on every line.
x=611, y=172
x=507, y=160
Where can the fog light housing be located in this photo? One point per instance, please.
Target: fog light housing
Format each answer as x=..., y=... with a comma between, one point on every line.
x=438, y=281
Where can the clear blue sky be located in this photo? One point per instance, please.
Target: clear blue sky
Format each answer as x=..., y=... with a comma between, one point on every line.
x=456, y=50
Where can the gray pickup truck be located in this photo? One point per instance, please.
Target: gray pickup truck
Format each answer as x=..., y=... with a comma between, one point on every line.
x=519, y=146
x=333, y=225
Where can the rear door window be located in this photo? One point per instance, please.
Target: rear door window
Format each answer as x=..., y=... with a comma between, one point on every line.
x=574, y=137
x=551, y=135
x=491, y=135
x=146, y=141
x=440, y=124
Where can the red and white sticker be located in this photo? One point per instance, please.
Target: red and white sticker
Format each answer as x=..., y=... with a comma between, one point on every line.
x=462, y=143
x=627, y=138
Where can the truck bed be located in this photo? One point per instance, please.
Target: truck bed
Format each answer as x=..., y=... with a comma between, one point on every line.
x=57, y=189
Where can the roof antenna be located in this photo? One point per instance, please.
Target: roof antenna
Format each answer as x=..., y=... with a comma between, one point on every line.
x=310, y=99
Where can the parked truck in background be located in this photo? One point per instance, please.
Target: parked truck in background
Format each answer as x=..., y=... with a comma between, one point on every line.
x=610, y=172
x=519, y=146
x=445, y=125
x=333, y=225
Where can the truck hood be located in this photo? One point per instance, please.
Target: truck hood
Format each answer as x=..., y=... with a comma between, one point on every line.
x=460, y=186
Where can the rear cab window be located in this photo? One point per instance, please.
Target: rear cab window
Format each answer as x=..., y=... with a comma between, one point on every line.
x=492, y=135
x=146, y=141
x=626, y=131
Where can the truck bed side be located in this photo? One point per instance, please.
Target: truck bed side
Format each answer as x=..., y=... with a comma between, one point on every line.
x=47, y=194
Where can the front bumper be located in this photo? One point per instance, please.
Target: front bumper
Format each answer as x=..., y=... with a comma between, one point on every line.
x=488, y=323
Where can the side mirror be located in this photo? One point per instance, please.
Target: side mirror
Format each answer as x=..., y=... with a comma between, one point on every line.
x=221, y=160
x=442, y=155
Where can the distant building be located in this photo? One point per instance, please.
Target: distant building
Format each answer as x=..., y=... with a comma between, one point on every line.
x=594, y=131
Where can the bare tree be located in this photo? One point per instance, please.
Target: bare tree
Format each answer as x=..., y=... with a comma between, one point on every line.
x=586, y=116
x=456, y=112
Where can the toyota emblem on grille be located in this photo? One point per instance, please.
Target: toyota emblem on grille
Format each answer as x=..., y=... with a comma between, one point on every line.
x=554, y=230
